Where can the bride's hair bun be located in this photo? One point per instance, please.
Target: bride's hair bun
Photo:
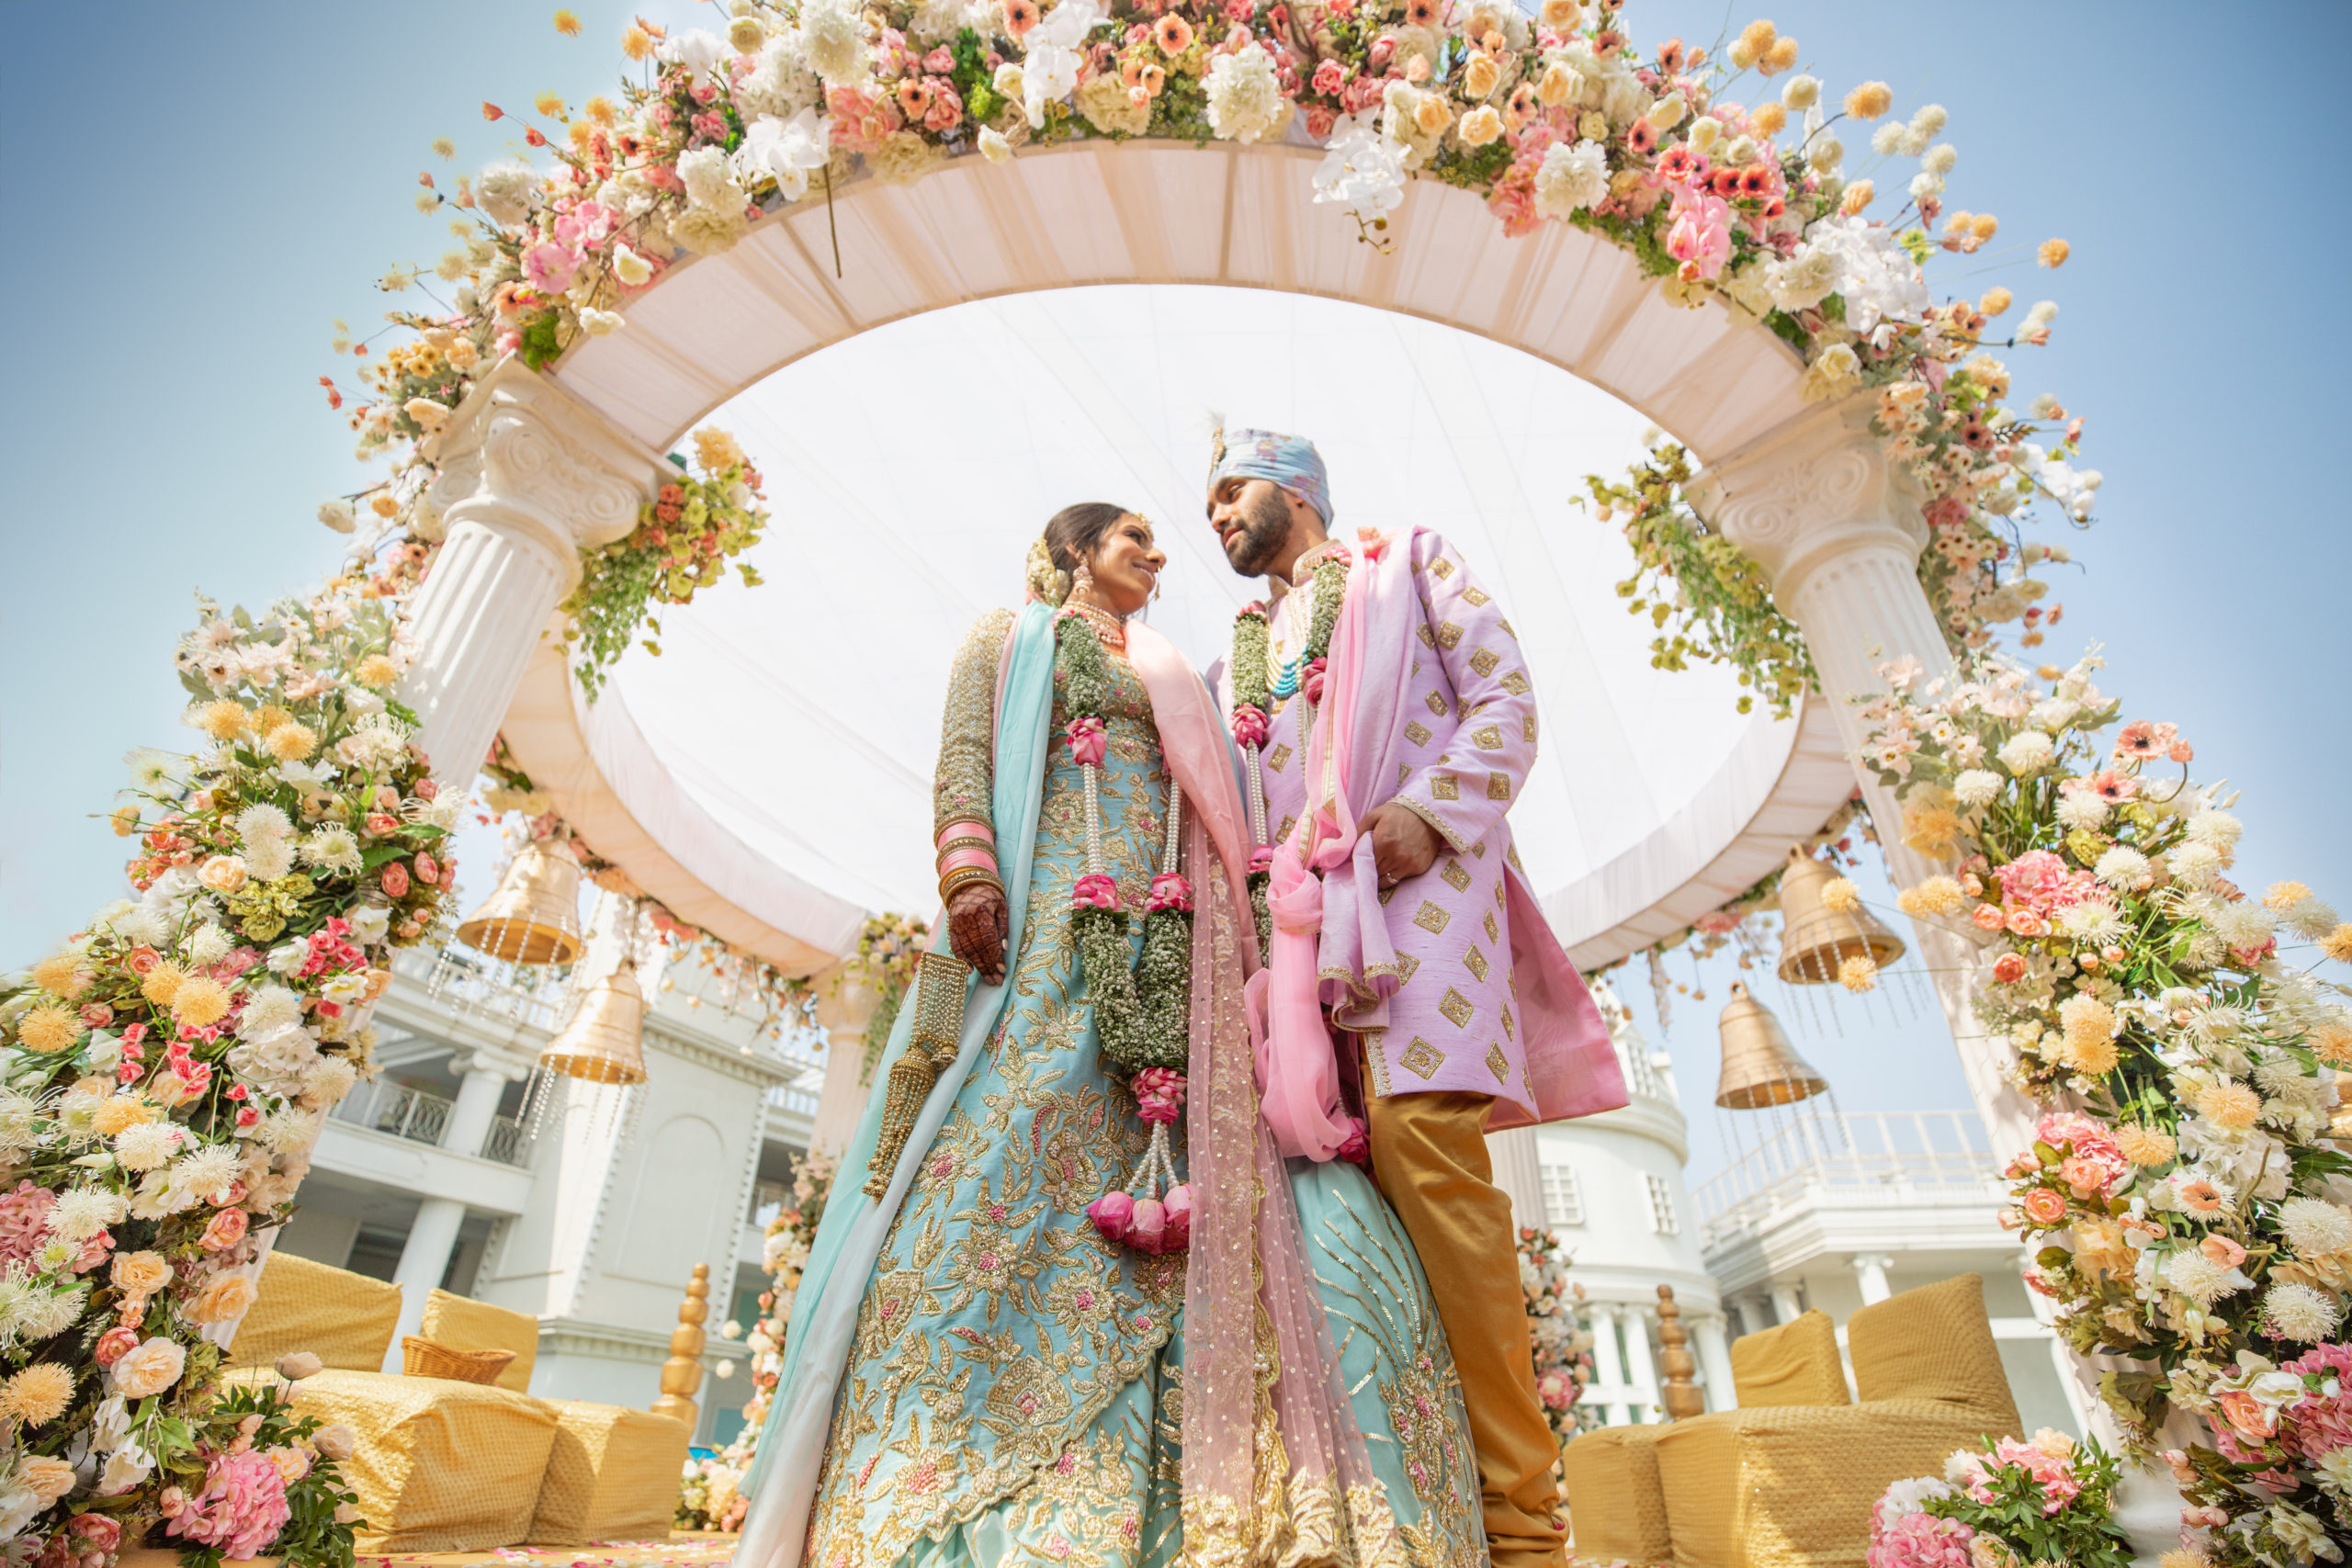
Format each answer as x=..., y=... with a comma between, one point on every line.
x=1048, y=583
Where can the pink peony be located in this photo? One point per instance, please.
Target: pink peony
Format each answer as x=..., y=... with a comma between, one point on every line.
x=2039, y=881
x=1088, y=742
x=549, y=267
x=1700, y=235
x=1921, y=1540
x=1113, y=1213
x=241, y=1509
x=1169, y=890
x=96, y=1532
x=24, y=1220
x=2044, y=1207
x=2053, y=1474
x=2322, y=1422
x=1149, y=1228
x=1160, y=1094
x=1556, y=1389
x=1248, y=725
x=1095, y=890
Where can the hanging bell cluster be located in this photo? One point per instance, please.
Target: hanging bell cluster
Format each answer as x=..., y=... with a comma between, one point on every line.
x=604, y=1042
x=1762, y=1067
x=534, y=917
x=1816, y=939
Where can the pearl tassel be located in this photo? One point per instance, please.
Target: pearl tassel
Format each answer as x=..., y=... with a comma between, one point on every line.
x=1175, y=823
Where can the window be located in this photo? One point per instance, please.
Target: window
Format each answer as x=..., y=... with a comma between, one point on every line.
x=1662, y=1220
x=1563, y=1201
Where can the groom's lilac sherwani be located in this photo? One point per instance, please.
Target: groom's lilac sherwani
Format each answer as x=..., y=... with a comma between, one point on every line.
x=1455, y=980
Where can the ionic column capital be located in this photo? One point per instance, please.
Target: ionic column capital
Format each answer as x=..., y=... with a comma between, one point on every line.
x=1812, y=491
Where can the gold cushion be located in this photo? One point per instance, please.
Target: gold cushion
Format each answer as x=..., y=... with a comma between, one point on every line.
x=1616, y=1508
x=465, y=1324
x=441, y=1466
x=1932, y=1343
x=423, y=1357
x=1795, y=1363
x=613, y=1475
x=345, y=1319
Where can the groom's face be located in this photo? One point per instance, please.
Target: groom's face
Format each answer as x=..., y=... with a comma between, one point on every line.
x=1252, y=522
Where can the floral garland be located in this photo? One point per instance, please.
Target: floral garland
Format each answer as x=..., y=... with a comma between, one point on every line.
x=1256, y=689
x=167, y=1073
x=1556, y=1325
x=2049, y=1503
x=2191, y=1214
x=1142, y=1010
x=888, y=952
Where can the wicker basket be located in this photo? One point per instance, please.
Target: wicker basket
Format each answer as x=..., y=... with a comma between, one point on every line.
x=424, y=1359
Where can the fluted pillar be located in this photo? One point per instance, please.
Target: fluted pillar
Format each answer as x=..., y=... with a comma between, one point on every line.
x=528, y=479
x=1517, y=1157
x=1609, y=1361
x=1641, y=1366
x=1714, y=1360
x=1869, y=1274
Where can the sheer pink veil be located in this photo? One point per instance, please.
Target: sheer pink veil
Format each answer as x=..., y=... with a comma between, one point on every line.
x=1269, y=1472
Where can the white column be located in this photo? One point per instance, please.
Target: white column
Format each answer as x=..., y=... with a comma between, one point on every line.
x=1714, y=1360
x=843, y=1009
x=432, y=1239
x=1641, y=1367
x=1517, y=1165
x=475, y=1106
x=1609, y=1361
x=528, y=478
x=1870, y=1270
x=1784, y=1304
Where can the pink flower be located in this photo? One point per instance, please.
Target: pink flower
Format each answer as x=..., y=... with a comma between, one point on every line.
x=1169, y=890
x=1261, y=859
x=1112, y=1213
x=2039, y=881
x=2145, y=739
x=24, y=1219
x=1094, y=891
x=1556, y=1389
x=395, y=880
x=1700, y=235
x=1330, y=77
x=1920, y=1541
x=113, y=1344
x=97, y=1015
x=2044, y=1207
x=241, y=1509
x=1148, y=1227
x=2009, y=968
x=2221, y=1251
x=1160, y=1094
x=1310, y=679
x=428, y=870
x=1248, y=725
x=1089, y=743
x=549, y=267
x=1356, y=1147
x=226, y=1229
x=98, y=1532
x=1177, y=1207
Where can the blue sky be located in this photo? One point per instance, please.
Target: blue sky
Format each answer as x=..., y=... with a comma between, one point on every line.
x=190, y=193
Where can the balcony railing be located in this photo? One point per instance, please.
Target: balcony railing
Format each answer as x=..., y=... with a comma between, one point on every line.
x=415, y=1114
x=505, y=1143
x=1869, y=1158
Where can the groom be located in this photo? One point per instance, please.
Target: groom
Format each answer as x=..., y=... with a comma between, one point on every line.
x=1453, y=1001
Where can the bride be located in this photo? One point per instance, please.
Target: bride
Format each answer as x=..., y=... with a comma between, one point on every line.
x=978, y=1372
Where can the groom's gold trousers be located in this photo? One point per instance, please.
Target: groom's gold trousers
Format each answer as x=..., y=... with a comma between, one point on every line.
x=1429, y=1154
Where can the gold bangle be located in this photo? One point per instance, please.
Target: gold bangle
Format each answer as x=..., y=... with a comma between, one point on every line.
x=965, y=876
x=970, y=842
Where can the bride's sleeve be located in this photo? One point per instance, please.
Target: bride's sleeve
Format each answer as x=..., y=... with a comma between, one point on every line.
x=964, y=788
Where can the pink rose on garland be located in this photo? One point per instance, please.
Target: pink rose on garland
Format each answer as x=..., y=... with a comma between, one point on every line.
x=395, y=880
x=1088, y=742
x=1310, y=679
x=241, y=1509
x=1169, y=890
x=1248, y=725
x=1112, y=1213
x=1921, y=1540
x=1177, y=1208
x=24, y=1220
x=1160, y=1094
x=428, y=870
x=1095, y=890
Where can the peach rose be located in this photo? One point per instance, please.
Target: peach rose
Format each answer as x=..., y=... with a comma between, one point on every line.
x=337, y=1439
x=226, y=1229
x=292, y=1463
x=113, y=1344
x=46, y=1477
x=2044, y=1207
x=140, y=1273
x=299, y=1364
x=228, y=1296
x=1988, y=916
x=148, y=1368
x=2027, y=924
x=223, y=873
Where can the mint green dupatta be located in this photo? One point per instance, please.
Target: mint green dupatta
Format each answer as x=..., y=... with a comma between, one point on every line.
x=783, y=1483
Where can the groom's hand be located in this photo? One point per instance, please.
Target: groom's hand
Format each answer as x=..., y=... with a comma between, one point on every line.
x=977, y=922
x=1403, y=843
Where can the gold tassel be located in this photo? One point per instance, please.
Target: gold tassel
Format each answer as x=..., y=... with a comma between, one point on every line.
x=938, y=1004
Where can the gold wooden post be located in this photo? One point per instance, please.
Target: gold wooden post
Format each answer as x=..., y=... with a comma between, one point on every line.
x=682, y=1373
x=1682, y=1397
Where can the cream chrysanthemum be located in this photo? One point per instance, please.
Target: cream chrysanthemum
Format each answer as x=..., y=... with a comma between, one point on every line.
x=1841, y=896
x=2145, y=1145
x=48, y=1029
x=63, y=973
x=2230, y=1105
x=223, y=720
x=291, y=742
x=1858, y=973
x=2315, y=1227
x=2300, y=1312
x=38, y=1394
x=1936, y=895
x=199, y=1001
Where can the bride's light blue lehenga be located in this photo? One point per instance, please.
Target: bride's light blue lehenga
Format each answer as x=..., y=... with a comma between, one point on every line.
x=1012, y=1394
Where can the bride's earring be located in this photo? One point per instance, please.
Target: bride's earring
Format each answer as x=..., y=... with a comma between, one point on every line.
x=1082, y=581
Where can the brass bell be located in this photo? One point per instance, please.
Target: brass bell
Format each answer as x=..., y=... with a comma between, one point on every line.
x=1761, y=1068
x=604, y=1042
x=1816, y=939
x=534, y=917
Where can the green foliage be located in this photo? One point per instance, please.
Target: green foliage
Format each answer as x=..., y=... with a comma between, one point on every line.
x=1704, y=597
x=2081, y=1533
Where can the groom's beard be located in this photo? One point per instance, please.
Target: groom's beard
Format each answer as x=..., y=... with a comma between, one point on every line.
x=1251, y=550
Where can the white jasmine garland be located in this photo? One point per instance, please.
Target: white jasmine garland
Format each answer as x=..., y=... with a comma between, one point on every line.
x=1571, y=178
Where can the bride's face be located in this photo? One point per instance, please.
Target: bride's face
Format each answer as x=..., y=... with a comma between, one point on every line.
x=1126, y=566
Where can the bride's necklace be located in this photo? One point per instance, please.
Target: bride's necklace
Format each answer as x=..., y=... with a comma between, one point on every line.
x=1108, y=624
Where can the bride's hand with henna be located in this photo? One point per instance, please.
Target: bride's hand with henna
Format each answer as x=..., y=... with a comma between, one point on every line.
x=977, y=923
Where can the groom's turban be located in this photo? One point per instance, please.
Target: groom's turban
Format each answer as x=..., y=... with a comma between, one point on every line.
x=1291, y=461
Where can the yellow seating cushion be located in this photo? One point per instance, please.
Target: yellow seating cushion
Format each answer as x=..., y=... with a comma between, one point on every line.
x=1932, y=1343
x=613, y=1475
x=440, y=1466
x=1795, y=1363
x=1616, y=1508
x=345, y=1319
x=465, y=1324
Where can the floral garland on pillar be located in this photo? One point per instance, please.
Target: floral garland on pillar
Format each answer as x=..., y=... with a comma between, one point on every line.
x=2186, y=1186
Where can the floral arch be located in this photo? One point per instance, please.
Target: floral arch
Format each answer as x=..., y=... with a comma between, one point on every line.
x=1681, y=233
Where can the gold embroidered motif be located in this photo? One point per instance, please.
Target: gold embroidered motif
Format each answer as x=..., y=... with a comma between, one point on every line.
x=1284, y=832
x=1429, y=917
x=1527, y=729
x=963, y=786
x=1473, y=592
x=1418, y=733
x=1494, y=933
x=1422, y=631
x=1441, y=569
x=1484, y=662
x=1437, y=704
x=1449, y=636
x=1510, y=857
x=1455, y=876
x=1515, y=683
x=1508, y=1032
x=1445, y=786
x=1279, y=758
x=1498, y=786
x=1421, y=1059
x=1488, y=738
x=1506, y=626
x=1476, y=962
x=1499, y=1064
x=1456, y=1008
x=1479, y=849
x=1404, y=772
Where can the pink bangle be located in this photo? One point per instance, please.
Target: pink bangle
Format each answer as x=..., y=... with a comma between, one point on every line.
x=960, y=860
x=954, y=831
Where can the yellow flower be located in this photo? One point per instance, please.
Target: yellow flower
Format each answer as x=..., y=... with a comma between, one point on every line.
x=582, y=134
x=125, y=821
x=1932, y=824
x=2096, y=1056
x=1481, y=76
x=550, y=105
x=162, y=983
x=2333, y=1041
x=228, y=1296
x=444, y=147
x=2337, y=943
x=2054, y=252
x=119, y=1112
x=48, y=1029
x=601, y=110
x=1858, y=973
x=1936, y=895
x=1782, y=56
x=636, y=42
x=1985, y=227
x=1558, y=82
x=2145, y=1145
x=1481, y=126
x=1770, y=119
x=1755, y=40
x=1858, y=196
x=291, y=742
x=223, y=720
x=375, y=670
x=140, y=1273
x=199, y=1001
x=1996, y=300
x=715, y=449
x=1869, y=100
x=1841, y=896
x=1432, y=114
x=38, y=1394
x=61, y=974
x=2227, y=1104
x=567, y=22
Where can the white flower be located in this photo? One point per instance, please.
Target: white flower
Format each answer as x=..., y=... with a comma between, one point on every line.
x=2121, y=868
x=2311, y=917
x=1571, y=178
x=369, y=925
x=599, y=324
x=146, y=1147
x=206, y=1173
x=832, y=36
x=1939, y=160
x=1887, y=140
x=2300, y=1312
x=125, y=1468
x=338, y=515
x=1929, y=120
x=2315, y=1227
x=1800, y=93
x=208, y=945
x=993, y=145
x=1245, y=99
x=1056, y=49
x=1363, y=171
x=1975, y=787
x=2303, y=1534
x=331, y=848
x=2092, y=920
x=2200, y=1279
x=1832, y=371
x=902, y=158
x=784, y=151
x=1909, y=1496
x=2194, y=864
x=2215, y=827
x=2081, y=808
x=289, y=1130
x=1876, y=276
x=697, y=50
x=2052, y=713
x=286, y=958
x=269, y=1008
x=781, y=85
x=633, y=271
x=82, y=1212
x=505, y=192
x=2241, y=925
x=1825, y=153
x=1010, y=82
x=1803, y=280
x=274, y=1061
x=2026, y=752
x=256, y=824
